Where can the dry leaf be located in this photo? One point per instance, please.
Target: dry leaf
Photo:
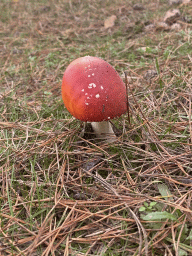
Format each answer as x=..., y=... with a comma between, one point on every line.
x=110, y=22
x=171, y=16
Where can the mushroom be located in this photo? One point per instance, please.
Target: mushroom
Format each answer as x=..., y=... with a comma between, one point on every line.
x=92, y=91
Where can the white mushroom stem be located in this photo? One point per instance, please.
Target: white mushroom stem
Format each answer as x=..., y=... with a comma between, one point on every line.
x=104, y=130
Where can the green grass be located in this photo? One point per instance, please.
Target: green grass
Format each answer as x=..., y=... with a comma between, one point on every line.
x=51, y=202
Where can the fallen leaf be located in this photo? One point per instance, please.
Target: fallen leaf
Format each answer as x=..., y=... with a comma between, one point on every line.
x=171, y=16
x=175, y=2
x=176, y=26
x=110, y=22
x=186, y=1
x=162, y=26
x=138, y=7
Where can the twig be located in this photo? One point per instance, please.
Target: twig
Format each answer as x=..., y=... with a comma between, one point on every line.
x=127, y=93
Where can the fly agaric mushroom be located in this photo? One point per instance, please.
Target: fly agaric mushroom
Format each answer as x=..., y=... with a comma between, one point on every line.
x=93, y=91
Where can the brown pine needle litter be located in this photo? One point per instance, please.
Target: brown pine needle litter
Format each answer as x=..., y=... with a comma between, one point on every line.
x=64, y=192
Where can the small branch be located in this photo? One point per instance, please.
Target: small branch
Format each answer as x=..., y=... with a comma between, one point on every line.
x=127, y=93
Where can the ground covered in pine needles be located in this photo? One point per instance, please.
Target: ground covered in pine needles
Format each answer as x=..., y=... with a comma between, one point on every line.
x=62, y=192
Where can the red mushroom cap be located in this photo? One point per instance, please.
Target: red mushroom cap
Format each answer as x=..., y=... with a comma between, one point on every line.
x=93, y=91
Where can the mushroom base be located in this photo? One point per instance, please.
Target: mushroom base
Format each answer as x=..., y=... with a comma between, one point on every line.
x=104, y=130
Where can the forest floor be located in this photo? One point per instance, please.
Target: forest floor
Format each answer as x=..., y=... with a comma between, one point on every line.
x=63, y=192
